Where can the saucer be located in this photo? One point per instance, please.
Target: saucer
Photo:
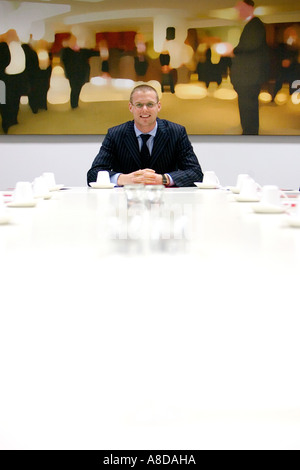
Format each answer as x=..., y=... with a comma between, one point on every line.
x=207, y=186
x=294, y=221
x=45, y=196
x=4, y=219
x=247, y=198
x=291, y=192
x=57, y=187
x=102, y=186
x=234, y=189
x=32, y=203
x=267, y=209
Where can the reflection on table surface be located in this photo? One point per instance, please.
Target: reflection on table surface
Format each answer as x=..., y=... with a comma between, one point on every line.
x=170, y=324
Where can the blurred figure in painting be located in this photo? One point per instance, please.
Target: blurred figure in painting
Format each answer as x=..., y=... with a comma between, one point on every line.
x=250, y=66
x=77, y=68
x=287, y=54
x=14, y=63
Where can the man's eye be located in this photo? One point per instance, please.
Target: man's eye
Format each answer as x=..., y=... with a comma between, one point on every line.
x=148, y=105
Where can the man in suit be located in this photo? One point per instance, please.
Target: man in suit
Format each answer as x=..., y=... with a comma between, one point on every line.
x=250, y=66
x=77, y=67
x=147, y=150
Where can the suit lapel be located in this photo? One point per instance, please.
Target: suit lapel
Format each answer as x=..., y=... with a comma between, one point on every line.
x=132, y=144
x=160, y=141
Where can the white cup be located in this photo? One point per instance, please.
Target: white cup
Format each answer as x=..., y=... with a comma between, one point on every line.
x=240, y=179
x=40, y=187
x=50, y=179
x=210, y=177
x=103, y=177
x=23, y=192
x=270, y=195
x=248, y=187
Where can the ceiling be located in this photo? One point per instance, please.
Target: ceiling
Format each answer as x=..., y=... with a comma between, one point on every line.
x=137, y=15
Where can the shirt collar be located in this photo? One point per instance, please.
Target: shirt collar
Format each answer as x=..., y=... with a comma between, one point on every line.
x=138, y=132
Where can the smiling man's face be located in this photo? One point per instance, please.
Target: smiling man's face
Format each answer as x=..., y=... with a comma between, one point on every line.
x=145, y=108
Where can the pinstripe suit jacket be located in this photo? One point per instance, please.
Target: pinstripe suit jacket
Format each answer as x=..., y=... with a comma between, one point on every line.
x=172, y=153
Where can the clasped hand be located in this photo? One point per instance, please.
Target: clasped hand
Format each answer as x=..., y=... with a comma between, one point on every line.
x=145, y=176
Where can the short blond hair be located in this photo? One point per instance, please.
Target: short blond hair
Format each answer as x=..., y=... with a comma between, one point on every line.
x=143, y=87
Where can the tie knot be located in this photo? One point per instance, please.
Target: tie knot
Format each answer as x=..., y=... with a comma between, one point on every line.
x=145, y=137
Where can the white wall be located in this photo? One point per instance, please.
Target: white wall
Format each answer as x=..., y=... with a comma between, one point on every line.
x=269, y=160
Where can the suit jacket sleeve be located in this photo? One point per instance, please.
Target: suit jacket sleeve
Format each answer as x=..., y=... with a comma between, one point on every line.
x=252, y=38
x=188, y=168
x=104, y=159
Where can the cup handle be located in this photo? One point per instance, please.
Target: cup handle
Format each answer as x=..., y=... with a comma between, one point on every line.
x=258, y=186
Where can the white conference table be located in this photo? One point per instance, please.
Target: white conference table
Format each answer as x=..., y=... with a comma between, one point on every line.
x=190, y=343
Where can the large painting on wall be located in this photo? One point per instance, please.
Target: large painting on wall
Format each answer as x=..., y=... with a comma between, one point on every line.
x=68, y=66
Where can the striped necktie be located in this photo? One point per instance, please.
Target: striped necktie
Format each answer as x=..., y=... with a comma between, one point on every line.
x=145, y=154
